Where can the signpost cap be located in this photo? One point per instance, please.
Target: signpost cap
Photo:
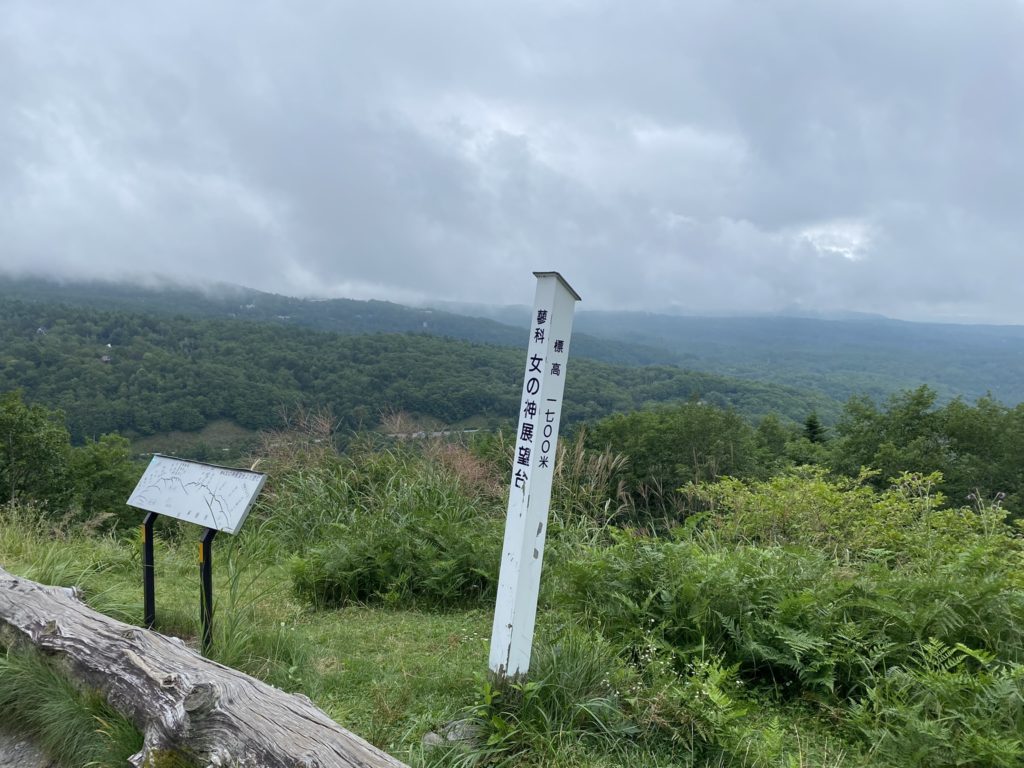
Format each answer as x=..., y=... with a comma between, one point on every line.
x=562, y=280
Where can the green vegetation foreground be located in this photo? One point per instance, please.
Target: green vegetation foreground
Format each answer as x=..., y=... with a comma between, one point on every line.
x=798, y=619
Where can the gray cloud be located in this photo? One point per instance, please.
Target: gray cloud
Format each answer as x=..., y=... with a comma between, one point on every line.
x=726, y=155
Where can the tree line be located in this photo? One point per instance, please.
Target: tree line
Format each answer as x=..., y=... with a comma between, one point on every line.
x=978, y=448
x=38, y=464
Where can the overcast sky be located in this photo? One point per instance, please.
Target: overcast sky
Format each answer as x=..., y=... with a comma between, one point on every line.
x=737, y=155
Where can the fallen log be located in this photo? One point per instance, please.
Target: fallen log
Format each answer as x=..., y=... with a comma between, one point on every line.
x=178, y=699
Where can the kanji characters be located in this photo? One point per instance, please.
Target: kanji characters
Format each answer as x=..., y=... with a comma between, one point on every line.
x=524, y=455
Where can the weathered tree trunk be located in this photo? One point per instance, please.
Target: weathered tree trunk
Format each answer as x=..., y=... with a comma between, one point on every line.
x=178, y=699
x=16, y=751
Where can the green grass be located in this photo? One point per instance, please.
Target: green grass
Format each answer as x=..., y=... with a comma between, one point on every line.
x=390, y=673
x=393, y=675
x=798, y=623
x=75, y=727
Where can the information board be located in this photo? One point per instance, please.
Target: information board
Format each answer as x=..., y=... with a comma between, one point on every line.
x=204, y=494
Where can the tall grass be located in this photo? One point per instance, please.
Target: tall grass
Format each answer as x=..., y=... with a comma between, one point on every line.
x=405, y=530
x=572, y=696
x=77, y=728
x=248, y=634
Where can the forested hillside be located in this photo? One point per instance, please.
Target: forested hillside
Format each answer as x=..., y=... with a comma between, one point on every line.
x=872, y=356
x=347, y=316
x=143, y=374
x=840, y=357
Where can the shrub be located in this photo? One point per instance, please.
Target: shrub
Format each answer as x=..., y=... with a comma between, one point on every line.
x=848, y=519
x=582, y=690
x=405, y=530
x=103, y=478
x=948, y=706
x=689, y=698
x=763, y=581
x=762, y=609
x=671, y=445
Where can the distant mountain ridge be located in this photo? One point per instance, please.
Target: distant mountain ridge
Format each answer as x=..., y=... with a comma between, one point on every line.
x=348, y=316
x=840, y=356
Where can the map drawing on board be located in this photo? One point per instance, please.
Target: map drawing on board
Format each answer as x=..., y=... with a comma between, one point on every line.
x=204, y=494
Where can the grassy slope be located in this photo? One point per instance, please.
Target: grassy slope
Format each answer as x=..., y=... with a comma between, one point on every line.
x=390, y=675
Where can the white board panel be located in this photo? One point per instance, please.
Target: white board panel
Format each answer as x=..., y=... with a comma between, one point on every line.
x=204, y=494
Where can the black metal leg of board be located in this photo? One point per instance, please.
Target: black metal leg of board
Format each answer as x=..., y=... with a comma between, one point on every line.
x=206, y=589
x=148, y=576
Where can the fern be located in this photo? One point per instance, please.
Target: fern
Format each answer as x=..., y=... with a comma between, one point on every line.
x=952, y=706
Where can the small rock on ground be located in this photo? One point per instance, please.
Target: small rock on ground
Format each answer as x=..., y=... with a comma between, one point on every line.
x=458, y=731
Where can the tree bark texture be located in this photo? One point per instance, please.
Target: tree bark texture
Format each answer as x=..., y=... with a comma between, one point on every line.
x=178, y=699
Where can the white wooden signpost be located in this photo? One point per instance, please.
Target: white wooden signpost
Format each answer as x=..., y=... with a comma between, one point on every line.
x=533, y=467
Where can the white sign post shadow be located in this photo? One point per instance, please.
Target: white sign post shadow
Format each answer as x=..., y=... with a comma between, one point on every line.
x=540, y=410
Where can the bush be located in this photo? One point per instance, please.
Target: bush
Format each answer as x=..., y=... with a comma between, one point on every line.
x=796, y=618
x=404, y=530
x=762, y=609
x=104, y=477
x=850, y=520
x=949, y=706
x=583, y=691
x=763, y=584
x=672, y=445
